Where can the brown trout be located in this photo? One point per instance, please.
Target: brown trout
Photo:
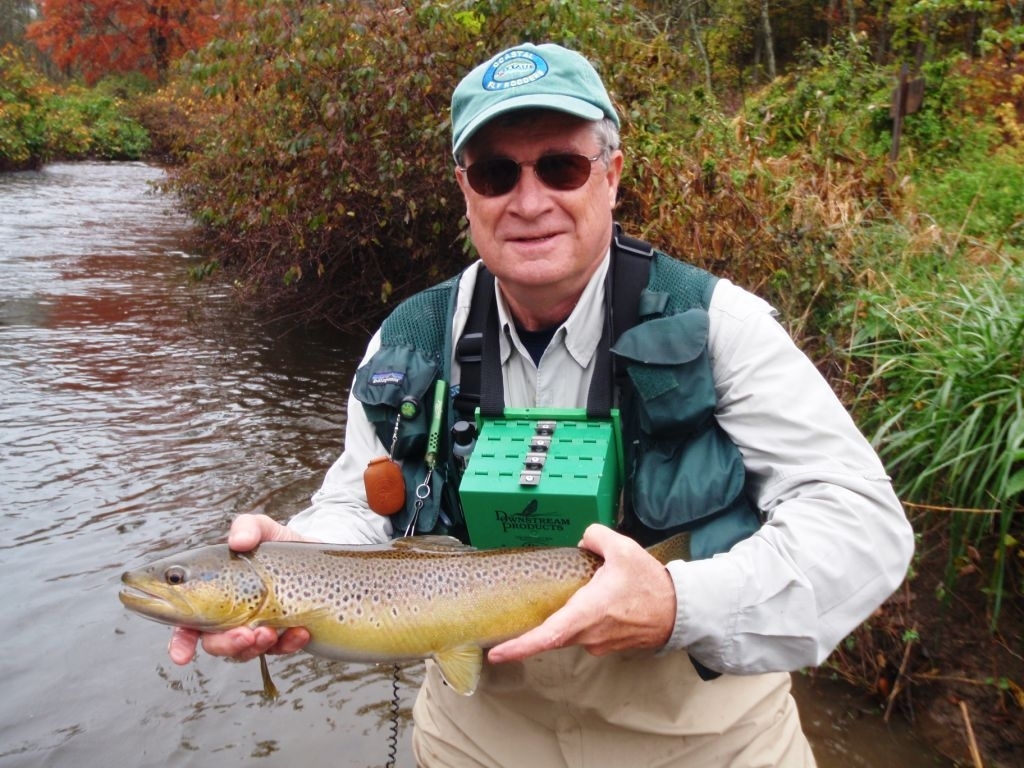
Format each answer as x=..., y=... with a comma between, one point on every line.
x=413, y=598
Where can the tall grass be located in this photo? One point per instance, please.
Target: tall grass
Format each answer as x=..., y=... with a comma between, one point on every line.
x=943, y=402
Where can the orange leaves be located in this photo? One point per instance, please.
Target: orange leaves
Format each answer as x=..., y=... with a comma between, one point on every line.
x=107, y=36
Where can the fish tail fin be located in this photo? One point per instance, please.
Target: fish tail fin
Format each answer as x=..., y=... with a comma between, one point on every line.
x=675, y=547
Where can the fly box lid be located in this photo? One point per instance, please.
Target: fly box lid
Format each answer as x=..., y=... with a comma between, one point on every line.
x=540, y=476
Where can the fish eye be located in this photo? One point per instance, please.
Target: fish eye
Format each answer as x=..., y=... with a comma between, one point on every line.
x=175, y=575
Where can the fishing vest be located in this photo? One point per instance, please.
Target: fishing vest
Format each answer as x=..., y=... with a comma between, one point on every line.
x=682, y=470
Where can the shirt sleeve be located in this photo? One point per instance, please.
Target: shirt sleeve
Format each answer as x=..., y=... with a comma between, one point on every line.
x=338, y=512
x=836, y=541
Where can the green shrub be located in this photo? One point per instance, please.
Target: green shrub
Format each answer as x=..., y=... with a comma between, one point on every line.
x=983, y=199
x=323, y=166
x=967, y=149
x=84, y=123
x=22, y=123
x=39, y=122
x=834, y=103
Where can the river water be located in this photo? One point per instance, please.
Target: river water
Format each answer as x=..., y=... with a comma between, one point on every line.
x=139, y=412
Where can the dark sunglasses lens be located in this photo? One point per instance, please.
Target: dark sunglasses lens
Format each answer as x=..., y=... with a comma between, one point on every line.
x=493, y=177
x=563, y=172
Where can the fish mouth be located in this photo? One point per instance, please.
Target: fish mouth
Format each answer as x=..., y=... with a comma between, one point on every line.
x=143, y=596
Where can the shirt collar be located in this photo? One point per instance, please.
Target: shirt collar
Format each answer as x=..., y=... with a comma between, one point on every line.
x=581, y=331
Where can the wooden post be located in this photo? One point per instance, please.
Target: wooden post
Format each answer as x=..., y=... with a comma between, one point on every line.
x=906, y=99
x=897, y=110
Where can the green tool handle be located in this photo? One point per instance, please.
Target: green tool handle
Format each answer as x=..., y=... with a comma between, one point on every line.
x=440, y=391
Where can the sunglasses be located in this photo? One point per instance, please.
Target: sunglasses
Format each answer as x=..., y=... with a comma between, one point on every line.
x=498, y=176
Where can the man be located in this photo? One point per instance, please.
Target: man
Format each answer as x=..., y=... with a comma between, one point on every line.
x=617, y=677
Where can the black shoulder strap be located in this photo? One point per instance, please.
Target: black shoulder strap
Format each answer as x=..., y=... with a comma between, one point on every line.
x=477, y=348
x=469, y=351
x=631, y=264
x=628, y=276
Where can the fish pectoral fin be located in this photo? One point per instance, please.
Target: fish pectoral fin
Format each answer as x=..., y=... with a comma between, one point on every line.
x=460, y=667
x=269, y=689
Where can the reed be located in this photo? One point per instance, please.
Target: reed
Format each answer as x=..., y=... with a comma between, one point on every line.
x=943, y=403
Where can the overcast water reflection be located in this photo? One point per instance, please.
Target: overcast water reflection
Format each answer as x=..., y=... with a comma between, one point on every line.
x=138, y=414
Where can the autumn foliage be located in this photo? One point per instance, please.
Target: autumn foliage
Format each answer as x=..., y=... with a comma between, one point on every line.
x=104, y=36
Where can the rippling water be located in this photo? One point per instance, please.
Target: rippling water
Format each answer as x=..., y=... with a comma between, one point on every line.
x=138, y=414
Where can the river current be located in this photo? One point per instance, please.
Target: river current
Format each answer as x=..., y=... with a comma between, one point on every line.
x=139, y=412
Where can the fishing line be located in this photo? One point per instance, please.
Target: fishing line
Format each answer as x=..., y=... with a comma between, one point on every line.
x=393, y=727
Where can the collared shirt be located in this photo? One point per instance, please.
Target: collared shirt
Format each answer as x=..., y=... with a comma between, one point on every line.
x=836, y=542
x=562, y=380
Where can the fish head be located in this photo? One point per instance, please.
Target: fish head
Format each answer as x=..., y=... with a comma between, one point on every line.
x=210, y=589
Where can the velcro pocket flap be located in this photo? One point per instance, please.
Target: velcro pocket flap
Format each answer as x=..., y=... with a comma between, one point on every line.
x=671, y=340
x=394, y=373
x=667, y=362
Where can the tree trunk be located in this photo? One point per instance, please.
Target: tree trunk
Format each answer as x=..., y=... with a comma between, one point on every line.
x=769, y=41
x=698, y=43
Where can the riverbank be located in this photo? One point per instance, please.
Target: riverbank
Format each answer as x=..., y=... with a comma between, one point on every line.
x=934, y=664
x=41, y=122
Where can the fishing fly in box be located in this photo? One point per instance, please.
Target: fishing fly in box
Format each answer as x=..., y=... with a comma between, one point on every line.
x=539, y=477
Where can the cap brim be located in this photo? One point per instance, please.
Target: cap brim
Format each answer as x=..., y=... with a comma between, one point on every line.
x=567, y=104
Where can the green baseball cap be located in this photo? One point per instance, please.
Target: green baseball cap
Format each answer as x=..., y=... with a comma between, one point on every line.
x=528, y=76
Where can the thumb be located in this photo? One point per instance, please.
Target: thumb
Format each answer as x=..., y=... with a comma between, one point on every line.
x=600, y=538
x=248, y=530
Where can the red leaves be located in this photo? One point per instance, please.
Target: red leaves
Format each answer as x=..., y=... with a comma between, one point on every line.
x=106, y=36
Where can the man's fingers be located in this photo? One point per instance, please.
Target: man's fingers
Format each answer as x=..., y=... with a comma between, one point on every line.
x=236, y=643
x=560, y=629
x=539, y=639
x=182, y=648
x=240, y=644
x=247, y=531
x=294, y=639
x=629, y=603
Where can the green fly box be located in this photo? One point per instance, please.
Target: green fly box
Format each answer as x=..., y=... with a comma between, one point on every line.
x=539, y=477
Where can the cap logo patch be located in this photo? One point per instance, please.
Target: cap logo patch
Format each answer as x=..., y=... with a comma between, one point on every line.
x=513, y=69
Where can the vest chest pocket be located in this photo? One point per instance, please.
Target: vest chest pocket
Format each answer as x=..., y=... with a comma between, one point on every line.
x=667, y=362
x=686, y=472
x=392, y=374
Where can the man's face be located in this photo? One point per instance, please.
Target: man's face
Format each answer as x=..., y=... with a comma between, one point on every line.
x=541, y=243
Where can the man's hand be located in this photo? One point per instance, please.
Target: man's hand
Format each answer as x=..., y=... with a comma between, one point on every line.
x=242, y=643
x=630, y=603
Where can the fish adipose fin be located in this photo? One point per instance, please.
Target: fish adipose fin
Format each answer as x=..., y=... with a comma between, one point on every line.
x=460, y=667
